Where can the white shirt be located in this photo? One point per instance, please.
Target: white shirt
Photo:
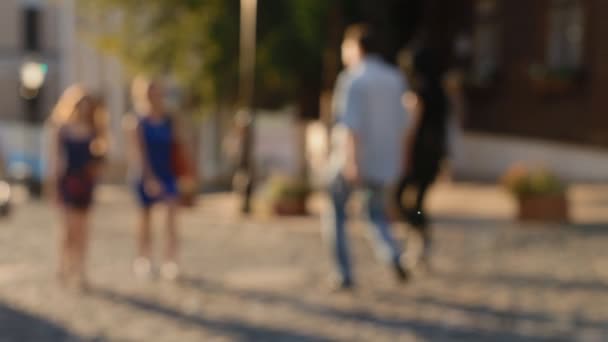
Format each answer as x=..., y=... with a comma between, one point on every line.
x=369, y=103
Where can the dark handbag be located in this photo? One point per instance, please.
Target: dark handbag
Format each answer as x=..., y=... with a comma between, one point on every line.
x=180, y=164
x=184, y=171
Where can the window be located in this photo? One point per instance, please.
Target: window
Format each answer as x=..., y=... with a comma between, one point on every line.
x=486, y=41
x=566, y=35
x=31, y=29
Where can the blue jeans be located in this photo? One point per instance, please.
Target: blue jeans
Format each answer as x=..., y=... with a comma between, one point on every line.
x=335, y=226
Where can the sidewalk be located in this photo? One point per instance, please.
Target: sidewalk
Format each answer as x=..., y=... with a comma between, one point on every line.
x=264, y=280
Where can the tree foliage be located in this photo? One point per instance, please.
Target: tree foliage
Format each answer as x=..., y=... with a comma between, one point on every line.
x=197, y=42
x=194, y=42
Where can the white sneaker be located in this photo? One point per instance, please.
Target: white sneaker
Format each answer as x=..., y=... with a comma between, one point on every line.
x=170, y=271
x=142, y=268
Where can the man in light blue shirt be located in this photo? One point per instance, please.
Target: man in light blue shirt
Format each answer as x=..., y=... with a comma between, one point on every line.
x=368, y=145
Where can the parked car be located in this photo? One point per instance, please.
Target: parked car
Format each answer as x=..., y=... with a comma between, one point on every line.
x=26, y=170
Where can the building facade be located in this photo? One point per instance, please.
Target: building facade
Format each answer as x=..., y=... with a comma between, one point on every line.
x=46, y=33
x=535, y=77
x=535, y=69
x=100, y=73
x=29, y=32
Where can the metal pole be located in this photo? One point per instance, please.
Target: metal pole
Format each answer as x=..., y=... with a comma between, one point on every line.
x=67, y=73
x=33, y=76
x=247, y=84
x=248, y=49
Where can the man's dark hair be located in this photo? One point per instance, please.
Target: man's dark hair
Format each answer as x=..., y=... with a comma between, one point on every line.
x=363, y=35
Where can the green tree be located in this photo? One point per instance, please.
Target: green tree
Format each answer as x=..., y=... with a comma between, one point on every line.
x=291, y=40
x=197, y=42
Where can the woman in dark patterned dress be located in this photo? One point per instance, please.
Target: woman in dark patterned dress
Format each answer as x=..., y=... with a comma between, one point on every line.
x=78, y=146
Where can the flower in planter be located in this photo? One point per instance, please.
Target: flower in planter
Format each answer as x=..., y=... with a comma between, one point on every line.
x=540, y=72
x=541, y=196
x=513, y=180
x=287, y=195
x=554, y=81
x=523, y=181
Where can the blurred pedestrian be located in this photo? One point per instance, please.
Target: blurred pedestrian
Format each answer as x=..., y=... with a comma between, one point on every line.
x=367, y=148
x=154, y=136
x=5, y=189
x=2, y=158
x=79, y=144
x=428, y=144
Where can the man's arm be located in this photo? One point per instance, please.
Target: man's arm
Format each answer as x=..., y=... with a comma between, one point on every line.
x=351, y=169
x=413, y=108
x=352, y=120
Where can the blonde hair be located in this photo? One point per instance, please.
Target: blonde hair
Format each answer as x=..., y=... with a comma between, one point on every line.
x=67, y=107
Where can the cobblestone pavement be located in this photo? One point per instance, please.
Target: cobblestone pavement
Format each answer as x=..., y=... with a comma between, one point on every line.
x=265, y=279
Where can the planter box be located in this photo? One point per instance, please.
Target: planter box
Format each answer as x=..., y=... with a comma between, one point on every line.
x=544, y=208
x=292, y=207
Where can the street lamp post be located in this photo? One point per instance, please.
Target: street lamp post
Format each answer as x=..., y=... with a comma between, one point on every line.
x=32, y=77
x=247, y=84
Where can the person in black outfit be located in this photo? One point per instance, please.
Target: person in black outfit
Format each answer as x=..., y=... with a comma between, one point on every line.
x=428, y=147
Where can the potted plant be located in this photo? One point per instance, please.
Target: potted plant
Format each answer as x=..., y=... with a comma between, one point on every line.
x=546, y=81
x=541, y=196
x=287, y=196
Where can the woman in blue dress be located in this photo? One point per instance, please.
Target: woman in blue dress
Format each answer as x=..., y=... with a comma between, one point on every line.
x=78, y=145
x=153, y=135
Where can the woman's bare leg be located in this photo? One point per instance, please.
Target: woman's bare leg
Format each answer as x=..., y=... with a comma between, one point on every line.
x=143, y=265
x=170, y=268
x=66, y=246
x=145, y=234
x=172, y=232
x=81, y=233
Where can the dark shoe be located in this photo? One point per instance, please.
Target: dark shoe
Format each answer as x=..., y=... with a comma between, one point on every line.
x=341, y=286
x=401, y=272
x=417, y=219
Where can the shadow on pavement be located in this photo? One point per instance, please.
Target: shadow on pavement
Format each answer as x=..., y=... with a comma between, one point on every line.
x=476, y=310
x=504, y=316
x=472, y=223
x=513, y=280
x=18, y=326
x=242, y=331
x=481, y=223
x=422, y=329
x=592, y=228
